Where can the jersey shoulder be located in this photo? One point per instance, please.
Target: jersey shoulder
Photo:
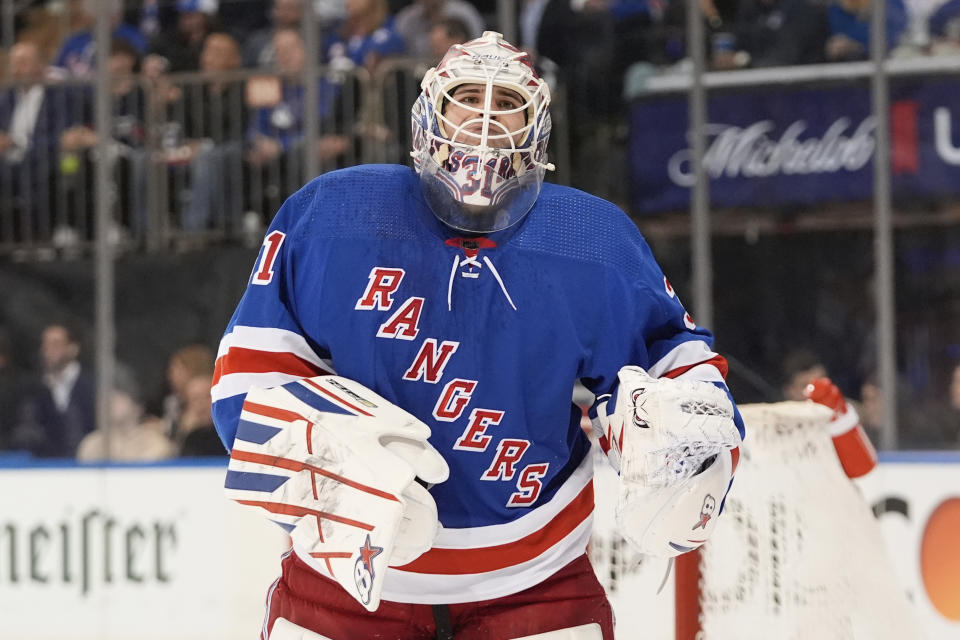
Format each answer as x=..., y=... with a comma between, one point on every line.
x=358, y=201
x=574, y=224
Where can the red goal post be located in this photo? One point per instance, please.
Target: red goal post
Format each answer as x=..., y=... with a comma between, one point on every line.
x=797, y=554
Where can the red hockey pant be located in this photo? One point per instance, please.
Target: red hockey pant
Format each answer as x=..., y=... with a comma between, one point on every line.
x=569, y=598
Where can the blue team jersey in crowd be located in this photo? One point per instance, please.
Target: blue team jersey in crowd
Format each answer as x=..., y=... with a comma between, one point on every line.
x=480, y=338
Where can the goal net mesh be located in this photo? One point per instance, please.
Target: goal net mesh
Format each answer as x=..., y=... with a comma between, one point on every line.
x=797, y=554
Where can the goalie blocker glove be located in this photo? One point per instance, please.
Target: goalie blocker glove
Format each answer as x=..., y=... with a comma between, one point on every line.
x=336, y=465
x=674, y=444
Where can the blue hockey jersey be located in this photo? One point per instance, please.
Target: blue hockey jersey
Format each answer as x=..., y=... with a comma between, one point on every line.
x=482, y=338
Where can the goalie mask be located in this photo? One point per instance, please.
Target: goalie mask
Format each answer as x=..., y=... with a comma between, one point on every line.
x=480, y=132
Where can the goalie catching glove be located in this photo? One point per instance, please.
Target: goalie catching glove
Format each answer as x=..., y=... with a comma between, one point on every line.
x=336, y=466
x=670, y=441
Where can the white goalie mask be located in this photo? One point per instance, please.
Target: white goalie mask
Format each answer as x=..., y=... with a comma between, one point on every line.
x=480, y=132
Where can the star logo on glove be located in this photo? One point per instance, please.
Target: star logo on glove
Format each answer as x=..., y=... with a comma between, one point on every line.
x=368, y=553
x=363, y=570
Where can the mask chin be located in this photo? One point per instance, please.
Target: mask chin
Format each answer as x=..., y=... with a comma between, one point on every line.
x=475, y=212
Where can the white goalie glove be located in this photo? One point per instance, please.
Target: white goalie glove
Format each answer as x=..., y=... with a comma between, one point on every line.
x=670, y=441
x=336, y=465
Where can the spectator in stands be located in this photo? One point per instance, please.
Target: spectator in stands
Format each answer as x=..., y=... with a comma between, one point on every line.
x=800, y=368
x=180, y=49
x=919, y=425
x=58, y=409
x=850, y=28
x=365, y=36
x=128, y=137
x=415, y=24
x=12, y=387
x=775, y=33
x=186, y=363
x=133, y=436
x=276, y=134
x=214, y=120
x=77, y=55
x=258, y=50
x=445, y=33
x=198, y=436
x=944, y=29
x=30, y=125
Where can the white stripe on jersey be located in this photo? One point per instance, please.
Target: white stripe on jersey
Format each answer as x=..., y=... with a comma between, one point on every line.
x=682, y=355
x=236, y=383
x=269, y=339
x=702, y=373
x=421, y=588
x=407, y=586
x=425, y=588
x=523, y=526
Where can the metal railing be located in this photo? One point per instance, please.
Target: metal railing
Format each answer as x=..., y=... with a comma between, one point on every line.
x=191, y=158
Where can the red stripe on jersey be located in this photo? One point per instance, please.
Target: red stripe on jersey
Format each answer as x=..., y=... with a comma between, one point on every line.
x=856, y=453
x=337, y=398
x=243, y=360
x=297, y=466
x=717, y=361
x=483, y=559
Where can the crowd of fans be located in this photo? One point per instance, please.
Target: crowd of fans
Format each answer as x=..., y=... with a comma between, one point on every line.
x=212, y=134
x=51, y=413
x=212, y=93
x=930, y=424
x=230, y=144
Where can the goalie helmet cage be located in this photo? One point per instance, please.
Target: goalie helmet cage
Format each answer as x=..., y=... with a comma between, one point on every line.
x=797, y=554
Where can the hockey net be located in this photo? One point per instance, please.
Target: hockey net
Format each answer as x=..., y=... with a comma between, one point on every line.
x=797, y=554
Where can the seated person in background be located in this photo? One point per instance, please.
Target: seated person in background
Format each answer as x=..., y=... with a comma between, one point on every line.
x=30, y=126
x=76, y=56
x=934, y=424
x=365, y=36
x=179, y=50
x=445, y=33
x=128, y=137
x=58, y=409
x=133, y=436
x=197, y=435
x=186, y=363
x=944, y=28
x=213, y=119
x=258, y=51
x=416, y=21
x=276, y=132
x=850, y=28
x=800, y=368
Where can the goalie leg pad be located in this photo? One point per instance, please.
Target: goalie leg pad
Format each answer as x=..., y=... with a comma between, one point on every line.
x=669, y=521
